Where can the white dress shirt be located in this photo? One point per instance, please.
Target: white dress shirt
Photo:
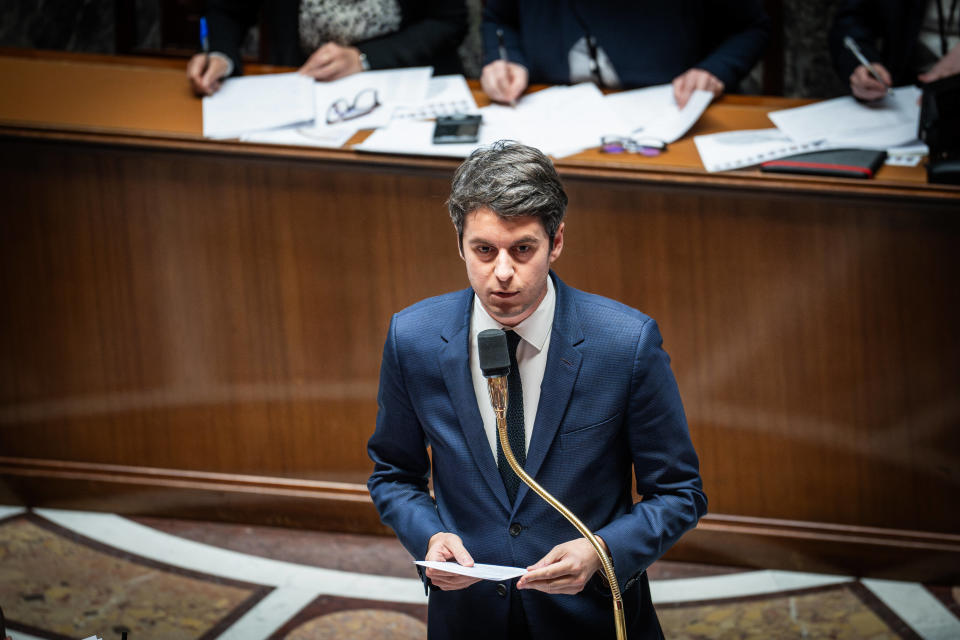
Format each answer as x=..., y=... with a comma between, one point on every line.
x=531, y=359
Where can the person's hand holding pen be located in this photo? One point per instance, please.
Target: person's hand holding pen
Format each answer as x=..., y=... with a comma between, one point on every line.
x=867, y=86
x=870, y=80
x=205, y=71
x=503, y=80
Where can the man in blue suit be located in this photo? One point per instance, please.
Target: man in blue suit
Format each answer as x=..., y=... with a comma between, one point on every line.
x=598, y=402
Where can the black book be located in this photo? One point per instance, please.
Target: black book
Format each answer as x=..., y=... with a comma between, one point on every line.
x=840, y=163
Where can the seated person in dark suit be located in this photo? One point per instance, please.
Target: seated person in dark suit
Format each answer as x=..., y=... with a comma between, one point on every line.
x=695, y=44
x=329, y=39
x=900, y=38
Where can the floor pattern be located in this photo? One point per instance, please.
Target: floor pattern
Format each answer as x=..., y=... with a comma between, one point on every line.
x=71, y=574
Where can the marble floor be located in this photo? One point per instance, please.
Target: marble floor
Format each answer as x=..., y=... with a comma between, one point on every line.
x=72, y=574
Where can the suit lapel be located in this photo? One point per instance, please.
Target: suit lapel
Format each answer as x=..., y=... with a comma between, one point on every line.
x=454, y=362
x=559, y=378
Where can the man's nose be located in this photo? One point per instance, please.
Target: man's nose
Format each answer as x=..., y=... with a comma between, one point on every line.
x=503, y=269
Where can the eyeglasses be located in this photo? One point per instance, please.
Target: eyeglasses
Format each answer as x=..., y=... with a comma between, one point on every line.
x=343, y=110
x=643, y=146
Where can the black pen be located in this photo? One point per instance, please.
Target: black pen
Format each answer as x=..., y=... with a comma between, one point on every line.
x=503, y=56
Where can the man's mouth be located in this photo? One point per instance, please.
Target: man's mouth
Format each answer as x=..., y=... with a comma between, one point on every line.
x=504, y=295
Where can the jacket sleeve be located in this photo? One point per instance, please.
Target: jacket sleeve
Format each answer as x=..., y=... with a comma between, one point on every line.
x=501, y=14
x=229, y=22
x=665, y=465
x=742, y=30
x=399, y=483
x=853, y=18
x=427, y=29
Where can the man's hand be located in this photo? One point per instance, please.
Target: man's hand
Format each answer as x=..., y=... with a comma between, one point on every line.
x=444, y=547
x=686, y=83
x=205, y=73
x=332, y=61
x=504, y=81
x=864, y=86
x=948, y=65
x=565, y=569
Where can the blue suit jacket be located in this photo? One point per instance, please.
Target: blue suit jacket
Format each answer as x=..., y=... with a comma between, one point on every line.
x=609, y=404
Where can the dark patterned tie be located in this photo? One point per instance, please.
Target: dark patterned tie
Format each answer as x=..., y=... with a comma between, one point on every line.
x=515, y=430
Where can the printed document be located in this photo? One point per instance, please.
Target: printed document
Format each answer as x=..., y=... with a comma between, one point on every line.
x=482, y=571
x=845, y=122
x=255, y=103
x=736, y=149
x=393, y=87
x=652, y=112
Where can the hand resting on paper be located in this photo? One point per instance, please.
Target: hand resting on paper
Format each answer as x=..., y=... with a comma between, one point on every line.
x=692, y=79
x=565, y=569
x=448, y=546
x=332, y=61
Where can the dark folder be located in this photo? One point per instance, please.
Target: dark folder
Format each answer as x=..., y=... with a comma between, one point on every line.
x=841, y=163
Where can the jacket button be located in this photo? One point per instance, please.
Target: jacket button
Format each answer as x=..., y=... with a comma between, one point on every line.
x=515, y=529
x=502, y=590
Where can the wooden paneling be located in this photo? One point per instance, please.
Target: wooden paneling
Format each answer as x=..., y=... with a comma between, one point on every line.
x=205, y=312
x=194, y=328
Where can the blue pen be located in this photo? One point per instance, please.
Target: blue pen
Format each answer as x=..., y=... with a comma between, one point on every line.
x=204, y=36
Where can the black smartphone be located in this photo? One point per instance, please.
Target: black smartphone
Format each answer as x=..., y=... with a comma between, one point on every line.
x=459, y=128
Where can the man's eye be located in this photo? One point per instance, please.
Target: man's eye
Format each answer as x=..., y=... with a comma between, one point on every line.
x=482, y=249
x=523, y=248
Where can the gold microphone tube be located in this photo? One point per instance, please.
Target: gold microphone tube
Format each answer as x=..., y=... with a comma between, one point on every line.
x=497, y=387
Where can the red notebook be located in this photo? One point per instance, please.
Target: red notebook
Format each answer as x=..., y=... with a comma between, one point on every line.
x=841, y=163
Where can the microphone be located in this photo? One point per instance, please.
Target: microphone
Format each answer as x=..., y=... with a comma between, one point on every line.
x=495, y=364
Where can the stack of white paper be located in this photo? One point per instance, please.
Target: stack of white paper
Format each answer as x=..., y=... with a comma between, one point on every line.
x=559, y=121
x=841, y=123
x=652, y=112
x=255, y=103
x=736, y=149
x=845, y=122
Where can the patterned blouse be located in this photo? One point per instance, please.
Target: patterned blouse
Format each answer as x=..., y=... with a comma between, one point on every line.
x=345, y=21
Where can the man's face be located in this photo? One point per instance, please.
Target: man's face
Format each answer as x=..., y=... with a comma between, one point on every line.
x=508, y=262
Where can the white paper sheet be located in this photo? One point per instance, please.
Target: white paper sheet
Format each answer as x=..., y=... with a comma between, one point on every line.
x=394, y=87
x=255, y=103
x=415, y=137
x=559, y=121
x=446, y=96
x=736, y=149
x=845, y=122
x=652, y=112
x=302, y=135
x=482, y=571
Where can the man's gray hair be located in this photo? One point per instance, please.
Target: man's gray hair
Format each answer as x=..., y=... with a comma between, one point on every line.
x=511, y=179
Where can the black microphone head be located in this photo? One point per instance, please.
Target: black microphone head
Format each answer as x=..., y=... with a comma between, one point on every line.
x=493, y=352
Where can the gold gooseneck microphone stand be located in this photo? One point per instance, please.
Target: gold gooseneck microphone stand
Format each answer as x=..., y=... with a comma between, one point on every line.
x=497, y=387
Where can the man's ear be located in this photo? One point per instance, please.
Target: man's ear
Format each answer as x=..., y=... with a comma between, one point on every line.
x=557, y=243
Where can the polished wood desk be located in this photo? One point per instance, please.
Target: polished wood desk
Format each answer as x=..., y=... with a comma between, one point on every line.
x=193, y=328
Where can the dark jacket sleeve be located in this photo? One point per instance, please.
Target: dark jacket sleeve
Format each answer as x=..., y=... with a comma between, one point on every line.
x=742, y=28
x=229, y=23
x=429, y=35
x=501, y=14
x=853, y=18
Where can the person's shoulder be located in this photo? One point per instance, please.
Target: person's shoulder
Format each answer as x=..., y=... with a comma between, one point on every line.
x=593, y=308
x=434, y=312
